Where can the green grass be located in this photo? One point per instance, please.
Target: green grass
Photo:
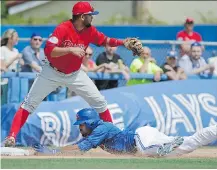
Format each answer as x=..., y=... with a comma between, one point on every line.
x=108, y=163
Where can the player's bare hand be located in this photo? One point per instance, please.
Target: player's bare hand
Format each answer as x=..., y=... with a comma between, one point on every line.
x=77, y=51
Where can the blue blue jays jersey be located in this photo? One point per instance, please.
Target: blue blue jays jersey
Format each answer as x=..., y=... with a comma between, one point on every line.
x=111, y=139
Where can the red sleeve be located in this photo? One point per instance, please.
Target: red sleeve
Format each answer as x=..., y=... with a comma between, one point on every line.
x=97, y=37
x=55, y=40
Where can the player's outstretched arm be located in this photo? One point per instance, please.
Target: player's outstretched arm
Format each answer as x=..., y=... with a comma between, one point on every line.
x=133, y=44
x=45, y=150
x=70, y=148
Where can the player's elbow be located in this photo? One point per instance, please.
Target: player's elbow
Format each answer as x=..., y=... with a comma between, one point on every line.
x=53, y=54
x=49, y=51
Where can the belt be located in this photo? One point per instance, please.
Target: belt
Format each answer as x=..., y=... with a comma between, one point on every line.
x=60, y=72
x=56, y=68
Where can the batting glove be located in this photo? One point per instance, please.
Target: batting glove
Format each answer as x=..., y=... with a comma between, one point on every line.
x=44, y=149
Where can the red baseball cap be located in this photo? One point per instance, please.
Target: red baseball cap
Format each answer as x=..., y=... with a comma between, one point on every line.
x=189, y=20
x=83, y=8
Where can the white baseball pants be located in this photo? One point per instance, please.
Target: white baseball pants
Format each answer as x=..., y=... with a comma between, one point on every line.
x=49, y=79
x=148, y=140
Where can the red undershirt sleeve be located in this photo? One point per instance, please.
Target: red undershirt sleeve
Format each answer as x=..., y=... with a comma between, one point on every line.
x=98, y=38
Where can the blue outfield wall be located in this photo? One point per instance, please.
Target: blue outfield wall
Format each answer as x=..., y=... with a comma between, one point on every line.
x=174, y=107
x=159, y=51
x=145, y=32
x=19, y=83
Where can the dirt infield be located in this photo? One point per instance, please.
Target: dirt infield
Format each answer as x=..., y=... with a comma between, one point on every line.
x=203, y=153
x=204, y=158
x=207, y=152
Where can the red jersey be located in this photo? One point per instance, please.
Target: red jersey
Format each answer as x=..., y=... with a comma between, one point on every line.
x=66, y=35
x=183, y=35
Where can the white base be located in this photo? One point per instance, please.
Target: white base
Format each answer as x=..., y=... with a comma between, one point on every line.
x=7, y=151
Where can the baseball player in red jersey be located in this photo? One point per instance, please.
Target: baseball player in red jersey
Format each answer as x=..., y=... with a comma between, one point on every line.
x=65, y=49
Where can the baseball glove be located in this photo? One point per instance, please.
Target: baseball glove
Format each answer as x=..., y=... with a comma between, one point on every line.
x=134, y=45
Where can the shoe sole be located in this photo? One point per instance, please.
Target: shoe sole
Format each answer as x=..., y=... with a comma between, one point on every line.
x=169, y=147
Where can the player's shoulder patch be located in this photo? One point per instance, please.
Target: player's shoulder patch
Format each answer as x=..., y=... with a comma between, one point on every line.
x=53, y=40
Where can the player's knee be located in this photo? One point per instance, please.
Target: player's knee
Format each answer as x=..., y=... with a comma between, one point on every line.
x=100, y=104
x=29, y=106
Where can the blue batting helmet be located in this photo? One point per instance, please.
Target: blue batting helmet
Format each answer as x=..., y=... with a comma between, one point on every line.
x=88, y=116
